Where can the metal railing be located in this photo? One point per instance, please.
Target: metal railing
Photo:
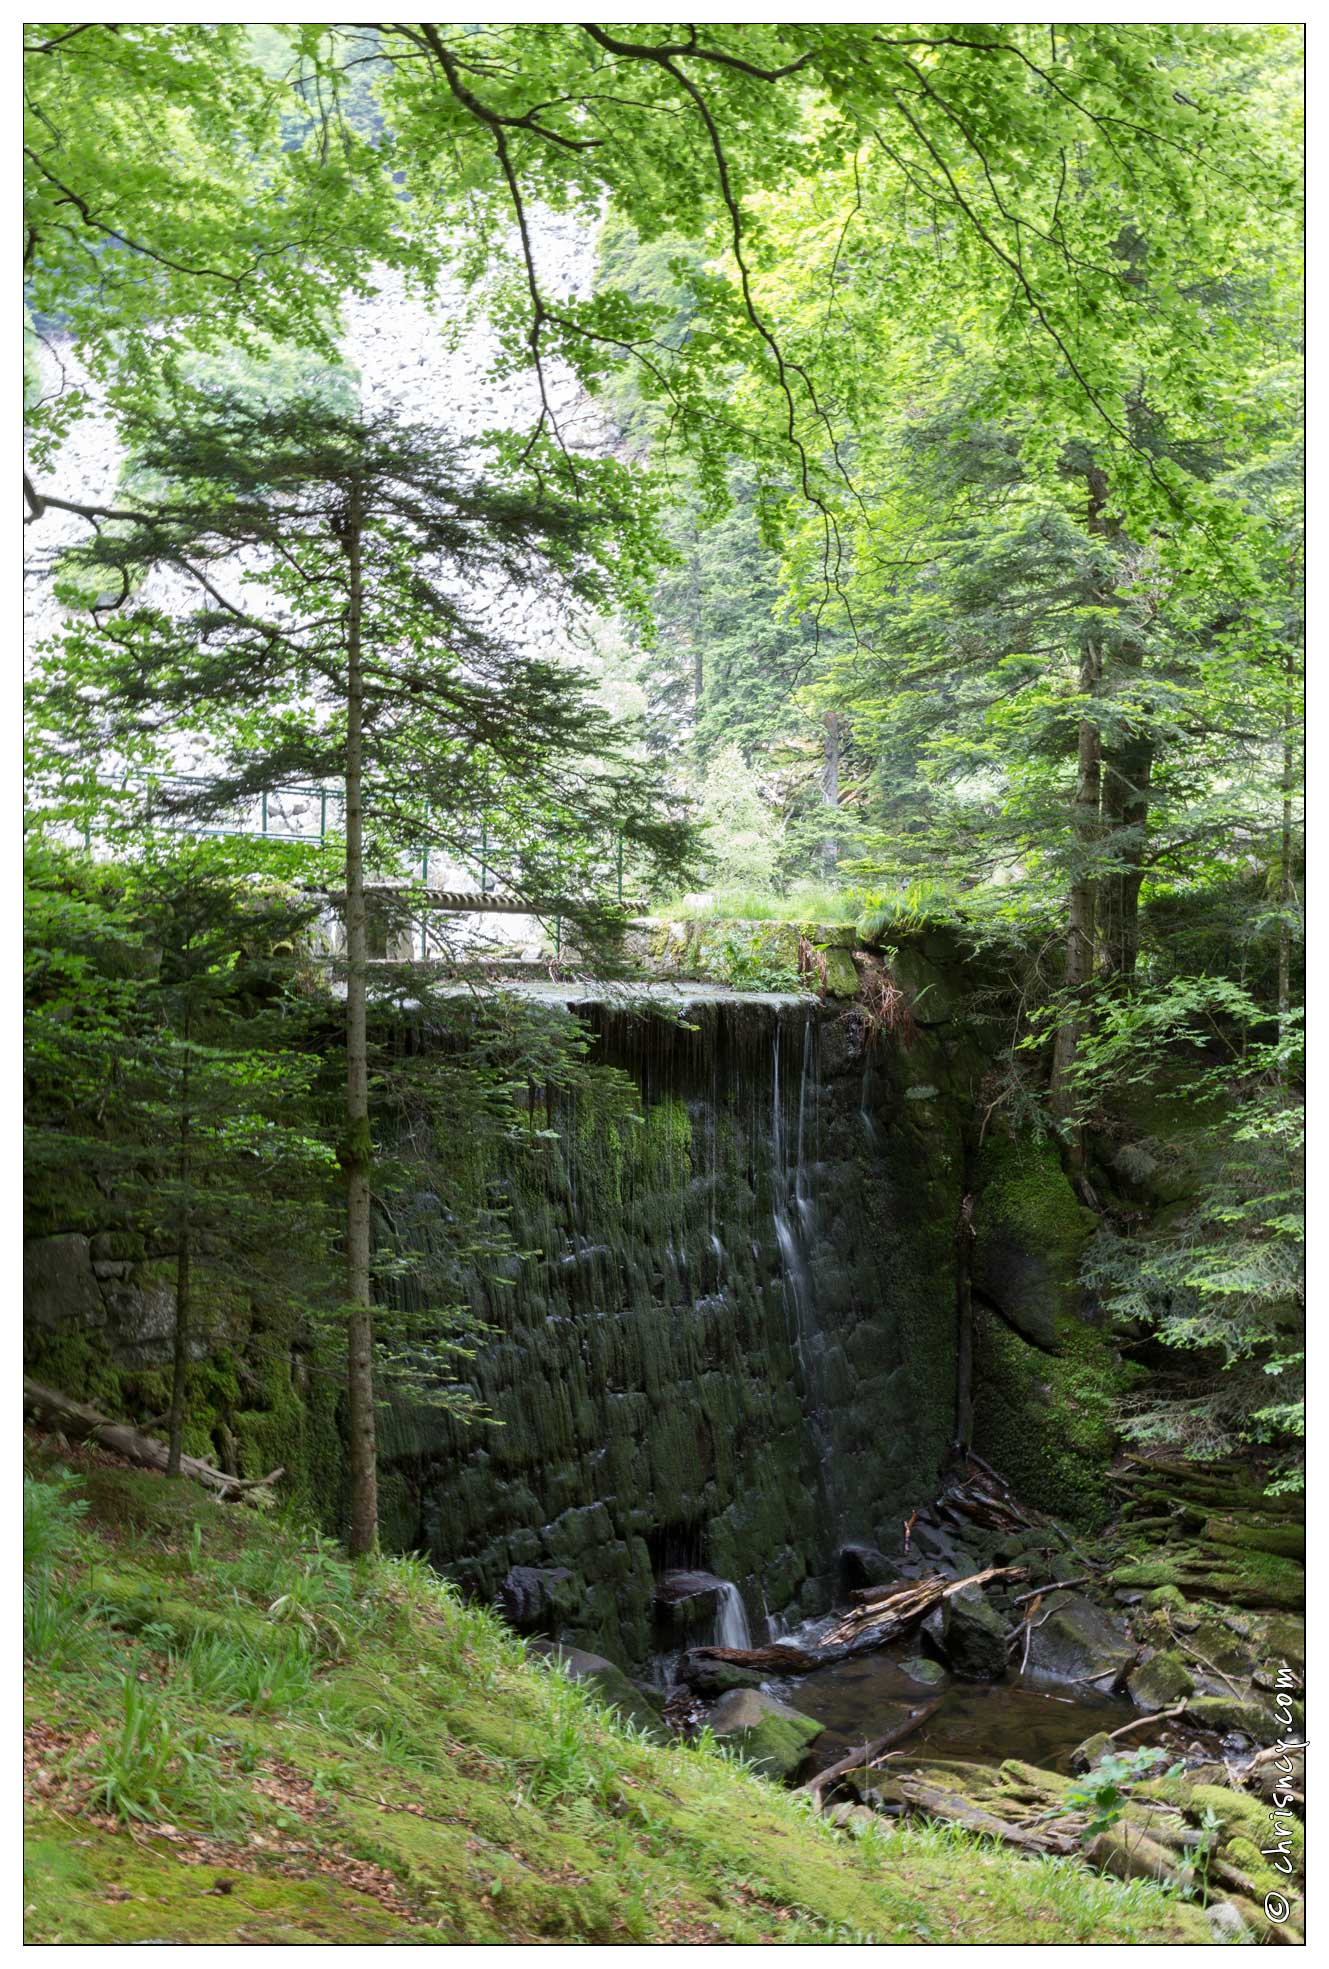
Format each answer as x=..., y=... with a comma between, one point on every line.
x=326, y=796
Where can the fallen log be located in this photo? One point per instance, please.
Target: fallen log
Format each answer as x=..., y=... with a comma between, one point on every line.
x=83, y=1424
x=894, y=1603
x=901, y=1607
x=781, y=1661
x=866, y=1599
x=864, y=1759
x=917, y=1795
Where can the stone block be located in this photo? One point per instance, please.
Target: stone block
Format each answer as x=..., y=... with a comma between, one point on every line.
x=59, y=1286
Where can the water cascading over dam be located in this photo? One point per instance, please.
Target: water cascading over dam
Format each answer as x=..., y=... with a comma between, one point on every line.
x=735, y=1349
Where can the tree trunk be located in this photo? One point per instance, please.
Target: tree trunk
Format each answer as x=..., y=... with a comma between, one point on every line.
x=1286, y=886
x=698, y=647
x=964, y=1318
x=1080, y=929
x=1127, y=767
x=357, y=1156
x=180, y=1343
x=179, y=1358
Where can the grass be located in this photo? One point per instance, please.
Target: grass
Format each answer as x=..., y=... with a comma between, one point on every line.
x=874, y=911
x=235, y=1735
x=805, y=902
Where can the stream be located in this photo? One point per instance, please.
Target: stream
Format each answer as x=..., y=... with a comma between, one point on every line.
x=980, y=1722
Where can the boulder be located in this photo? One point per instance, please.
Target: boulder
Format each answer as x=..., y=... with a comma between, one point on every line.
x=1170, y=1597
x=708, y=1677
x=840, y=976
x=1030, y=1232
x=1282, y=1637
x=773, y=1738
x=919, y=1669
x=59, y=1286
x=1226, y=1924
x=1162, y=1682
x=685, y=1601
x=846, y=1813
x=609, y=1683
x=937, y=1545
x=1221, y=1648
x=532, y=1597
x=864, y=1565
x=1075, y=1641
x=1092, y=1751
x=1226, y=1716
x=974, y=1636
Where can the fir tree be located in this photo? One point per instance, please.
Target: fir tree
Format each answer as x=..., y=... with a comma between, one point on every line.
x=378, y=656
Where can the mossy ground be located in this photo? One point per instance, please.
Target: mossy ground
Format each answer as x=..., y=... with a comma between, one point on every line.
x=1219, y=1572
x=234, y=1735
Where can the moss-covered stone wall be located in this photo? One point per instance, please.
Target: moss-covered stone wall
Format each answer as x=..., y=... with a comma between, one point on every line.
x=734, y=1343
x=732, y=1339
x=263, y=1394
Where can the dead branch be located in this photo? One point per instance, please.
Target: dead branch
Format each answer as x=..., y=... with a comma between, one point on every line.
x=83, y=1424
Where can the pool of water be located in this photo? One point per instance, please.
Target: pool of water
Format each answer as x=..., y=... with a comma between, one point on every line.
x=982, y=1722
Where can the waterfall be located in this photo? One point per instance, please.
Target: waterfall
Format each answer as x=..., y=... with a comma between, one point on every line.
x=792, y=1204
x=795, y=1159
x=731, y=1617
x=665, y=1401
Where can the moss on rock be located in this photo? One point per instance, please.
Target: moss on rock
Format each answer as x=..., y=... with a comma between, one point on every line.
x=1030, y=1234
x=1223, y=1574
x=1285, y=1541
x=767, y=1734
x=1046, y=1421
x=1163, y=1680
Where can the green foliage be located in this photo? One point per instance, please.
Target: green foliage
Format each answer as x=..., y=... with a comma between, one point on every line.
x=51, y=1515
x=751, y=959
x=958, y=372
x=1049, y=1422
x=167, y=1065
x=1219, y=1278
x=161, y=205
x=1105, y=1793
x=467, y=736
x=149, y=1768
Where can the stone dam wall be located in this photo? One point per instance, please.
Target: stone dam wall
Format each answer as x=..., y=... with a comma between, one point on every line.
x=737, y=1349
x=732, y=1346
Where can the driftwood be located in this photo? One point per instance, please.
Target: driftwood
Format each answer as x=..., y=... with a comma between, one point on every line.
x=868, y=1599
x=1139, y=1722
x=894, y=1609
x=1050, y=1586
x=864, y=1759
x=83, y=1424
x=787, y=1661
x=923, y=1794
